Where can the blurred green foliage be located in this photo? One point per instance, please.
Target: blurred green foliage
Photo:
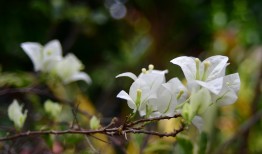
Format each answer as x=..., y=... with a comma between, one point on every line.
x=151, y=31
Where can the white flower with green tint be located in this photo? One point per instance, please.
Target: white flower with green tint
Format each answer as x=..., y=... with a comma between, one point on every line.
x=69, y=69
x=94, y=123
x=16, y=115
x=43, y=57
x=53, y=108
x=210, y=74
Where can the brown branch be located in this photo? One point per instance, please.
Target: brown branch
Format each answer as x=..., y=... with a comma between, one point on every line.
x=151, y=119
x=54, y=132
x=172, y=134
x=115, y=131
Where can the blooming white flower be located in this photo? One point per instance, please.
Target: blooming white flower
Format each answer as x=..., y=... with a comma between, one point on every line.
x=211, y=68
x=15, y=114
x=69, y=69
x=143, y=89
x=206, y=74
x=138, y=97
x=43, y=57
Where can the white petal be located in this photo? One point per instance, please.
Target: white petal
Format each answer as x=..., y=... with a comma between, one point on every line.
x=80, y=76
x=187, y=65
x=33, y=50
x=153, y=80
x=138, y=84
x=227, y=98
x=52, y=50
x=123, y=95
x=233, y=81
x=174, y=85
x=163, y=101
x=214, y=86
x=217, y=67
x=127, y=74
x=159, y=71
x=73, y=62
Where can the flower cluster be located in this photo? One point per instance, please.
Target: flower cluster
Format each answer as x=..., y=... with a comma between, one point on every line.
x=207, y=84
x=49, y=59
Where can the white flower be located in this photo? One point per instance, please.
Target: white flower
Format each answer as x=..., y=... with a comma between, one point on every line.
x=43, y=57
x=211, y=68
x=208, y=74
x=138, y=97
x=143, y=89
x=15, y=114
x=69, y=69
x=169, y=95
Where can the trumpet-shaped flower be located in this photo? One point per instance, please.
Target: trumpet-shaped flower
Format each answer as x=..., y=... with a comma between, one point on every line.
x=43, y=57
x=15, y=114
x=69, y=69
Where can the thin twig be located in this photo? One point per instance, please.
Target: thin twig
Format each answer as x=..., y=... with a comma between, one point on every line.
x=151, y=119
